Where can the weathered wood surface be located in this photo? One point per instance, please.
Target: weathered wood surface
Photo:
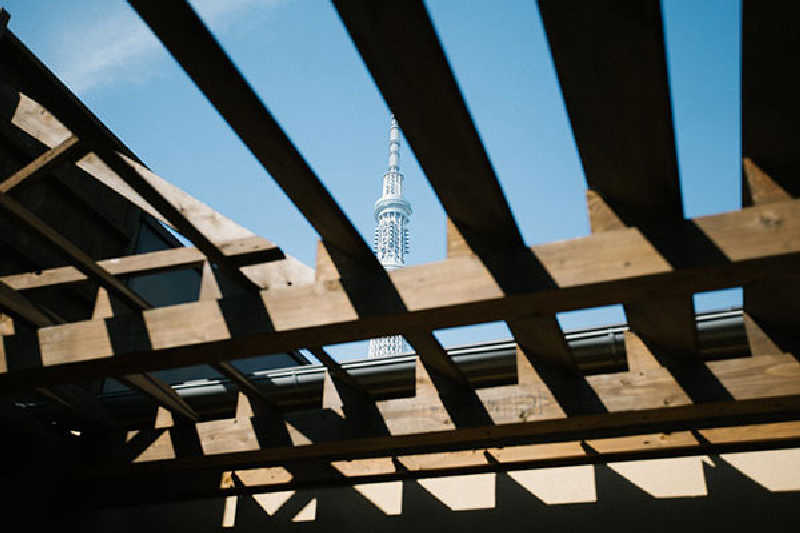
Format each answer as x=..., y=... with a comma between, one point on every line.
x=68, y=151
x=36, y=121
x=244, y=251
x=231, y=444
x=727, y=250
x=78, y=257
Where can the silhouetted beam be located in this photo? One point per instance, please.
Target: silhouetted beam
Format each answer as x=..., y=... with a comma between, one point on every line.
x=73, y=397
x=770, y=140
x=16, y=305
x=611, y=65
x=242, y=382
x=415, y=78
x=75, y=255
x=335, y=369
x=69, y=150
x=160, y=392
x=40, y=84
x=439, y=128
x=191, y=43
x=770, y=101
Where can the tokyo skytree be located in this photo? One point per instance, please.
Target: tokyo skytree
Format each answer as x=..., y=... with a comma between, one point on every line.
x=391, y=234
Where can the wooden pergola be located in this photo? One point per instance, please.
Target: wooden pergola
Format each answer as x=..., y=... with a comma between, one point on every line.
x=643, y=253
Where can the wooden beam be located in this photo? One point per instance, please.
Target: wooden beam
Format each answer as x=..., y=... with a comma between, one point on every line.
x=336, y=371
x=18, y=306
x=205, y=62
x=725, y=250
x=243, y=252
x=431, y=111
x=190, y=42
x=69, y=150
x=583, y=427
x=49, y=91
x=770, y=114
x=770, y=107
x=440, y=130
x=78, y=257
x=616, y=92
x=86, y=405
x=486, y=460
x=617, y=96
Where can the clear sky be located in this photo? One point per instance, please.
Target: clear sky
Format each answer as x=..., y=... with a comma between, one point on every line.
x=298, y=57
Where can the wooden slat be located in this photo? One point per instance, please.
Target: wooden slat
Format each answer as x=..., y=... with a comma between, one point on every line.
x=639, y=448
x=336, y=370
x=770, y=106
x=73, y=397
x=206, y=63
x=209, y=290
x=611, y=65
x=17, y=305
x=438, y=126
x=78, y=257
x=192, y=45
x=617, y=95
x=770, y=137
x=68, y=151
x=434, y=118
x=245, y=251
x=726, y=250
x=583, y=427
x=50, y=92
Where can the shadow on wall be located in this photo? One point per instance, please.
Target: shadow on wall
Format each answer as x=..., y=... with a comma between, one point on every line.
x=749, y=491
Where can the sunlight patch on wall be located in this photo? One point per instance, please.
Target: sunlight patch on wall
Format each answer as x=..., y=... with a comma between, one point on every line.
x=307, y=513
x=775, y=470
x=388, y=497
x=461, y=493
x=272, y=501
x=573, y=484
x=665, y=478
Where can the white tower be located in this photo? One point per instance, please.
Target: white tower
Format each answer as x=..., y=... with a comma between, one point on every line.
x=391, y=234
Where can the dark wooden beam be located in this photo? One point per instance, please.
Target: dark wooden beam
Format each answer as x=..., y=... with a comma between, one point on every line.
x=771, y=165
x=611, y=64
x=78, y=257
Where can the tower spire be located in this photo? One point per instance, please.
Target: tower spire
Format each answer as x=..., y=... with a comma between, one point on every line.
x=392, y=212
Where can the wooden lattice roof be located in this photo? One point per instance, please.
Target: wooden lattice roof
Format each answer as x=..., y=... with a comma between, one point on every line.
x=642, y=252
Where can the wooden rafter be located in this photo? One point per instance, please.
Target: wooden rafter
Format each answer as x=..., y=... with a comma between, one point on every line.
x=618, y=100
x=608, y=267
x=76, y=256
x=441, y=133
x=243, y=252
x=69, y=150
x=162, y=393
x=770, y=114
x=205, y=62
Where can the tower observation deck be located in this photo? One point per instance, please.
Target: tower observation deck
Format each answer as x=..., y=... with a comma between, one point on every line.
x=392, y=212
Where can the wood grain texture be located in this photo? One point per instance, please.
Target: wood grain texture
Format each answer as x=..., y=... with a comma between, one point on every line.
x=68, y=151
x=726, y=250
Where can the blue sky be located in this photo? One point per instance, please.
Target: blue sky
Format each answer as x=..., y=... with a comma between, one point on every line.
x=298, y=57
